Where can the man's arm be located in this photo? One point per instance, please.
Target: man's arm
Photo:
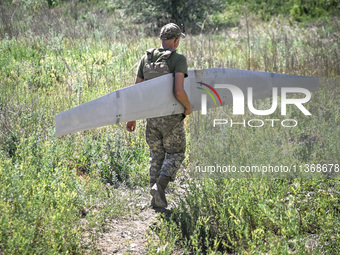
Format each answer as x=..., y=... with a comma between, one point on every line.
x=131, y=125
x=180, y=93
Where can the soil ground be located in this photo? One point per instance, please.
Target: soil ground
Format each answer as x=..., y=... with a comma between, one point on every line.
x=127, y=234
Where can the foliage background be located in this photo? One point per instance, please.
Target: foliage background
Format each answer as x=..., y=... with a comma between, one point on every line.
x=55, y=55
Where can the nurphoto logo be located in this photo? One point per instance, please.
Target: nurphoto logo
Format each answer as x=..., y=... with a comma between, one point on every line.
x=239, y=105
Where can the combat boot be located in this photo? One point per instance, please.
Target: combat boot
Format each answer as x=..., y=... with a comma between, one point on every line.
x=153, y=181
x=158, y=192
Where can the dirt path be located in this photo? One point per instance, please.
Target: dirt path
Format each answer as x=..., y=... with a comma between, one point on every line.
x=128, y=234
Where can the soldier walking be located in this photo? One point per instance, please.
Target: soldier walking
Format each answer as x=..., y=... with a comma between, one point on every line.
x=165, y=135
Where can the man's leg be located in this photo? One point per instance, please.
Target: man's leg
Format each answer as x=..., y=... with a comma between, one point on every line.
x=174, y=144
x=154, y=139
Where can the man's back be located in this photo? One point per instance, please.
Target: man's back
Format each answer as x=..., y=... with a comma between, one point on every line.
x=176, y=63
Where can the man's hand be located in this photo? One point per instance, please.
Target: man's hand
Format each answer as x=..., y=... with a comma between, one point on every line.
x=188, y=111
x=131, y=126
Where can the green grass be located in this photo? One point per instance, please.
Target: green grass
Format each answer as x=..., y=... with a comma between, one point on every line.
x=255, y=216
x=48, y=184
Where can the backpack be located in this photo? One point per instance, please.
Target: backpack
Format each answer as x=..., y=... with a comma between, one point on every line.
x=159, y=67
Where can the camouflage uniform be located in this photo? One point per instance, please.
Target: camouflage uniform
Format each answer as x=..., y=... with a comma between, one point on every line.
x=166, y=139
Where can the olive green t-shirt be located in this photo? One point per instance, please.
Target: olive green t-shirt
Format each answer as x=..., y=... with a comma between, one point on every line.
x=177, y=63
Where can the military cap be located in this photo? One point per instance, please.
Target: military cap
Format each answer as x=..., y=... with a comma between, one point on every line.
x=171, y=31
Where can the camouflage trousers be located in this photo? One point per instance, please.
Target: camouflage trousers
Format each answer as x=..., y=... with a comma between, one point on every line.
x=166, y=139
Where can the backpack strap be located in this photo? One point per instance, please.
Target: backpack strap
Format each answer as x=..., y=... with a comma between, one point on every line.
x=166, y=55
x=149, y=54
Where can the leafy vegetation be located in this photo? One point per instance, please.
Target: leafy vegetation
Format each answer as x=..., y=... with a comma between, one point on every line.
x=56, y=56
x=279, y=216
x=193, y=16
x=298, y=10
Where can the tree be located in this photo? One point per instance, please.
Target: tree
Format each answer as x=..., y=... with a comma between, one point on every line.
x=189, y=14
